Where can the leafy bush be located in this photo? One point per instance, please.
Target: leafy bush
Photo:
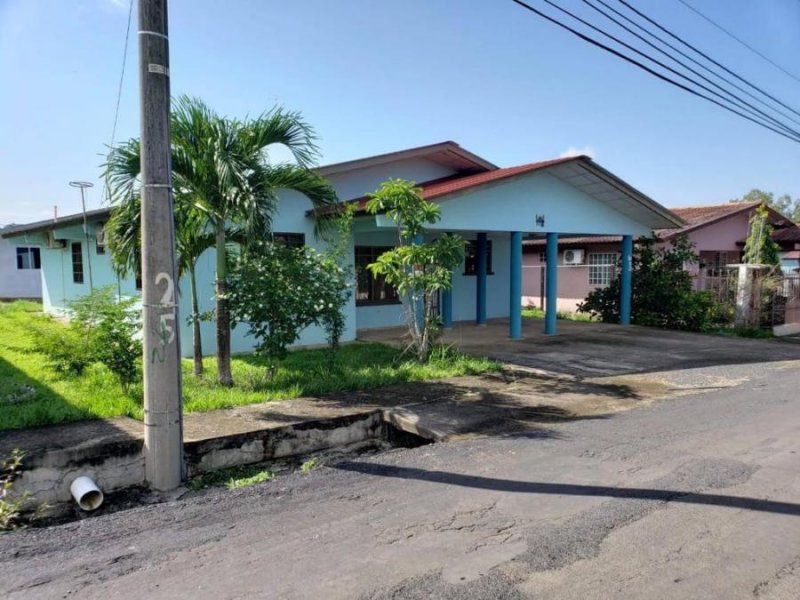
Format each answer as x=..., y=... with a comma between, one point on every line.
x=279, y=291
x=102, y=328
x=67, y=349
x=662, y=294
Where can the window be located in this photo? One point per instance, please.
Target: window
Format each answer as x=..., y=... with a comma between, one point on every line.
x=471, y=258
x=28, y=258
x=372, y=289
x=290, y=240
x=716, y=265
x=602, y=266
x=77, y=263
x=543, y=258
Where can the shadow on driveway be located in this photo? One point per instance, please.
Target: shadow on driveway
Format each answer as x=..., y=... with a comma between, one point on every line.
x=570, y=489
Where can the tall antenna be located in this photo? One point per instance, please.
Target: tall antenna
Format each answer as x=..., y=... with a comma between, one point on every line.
x=83, y=185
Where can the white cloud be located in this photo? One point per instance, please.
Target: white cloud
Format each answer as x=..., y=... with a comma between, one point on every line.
x=573, y=151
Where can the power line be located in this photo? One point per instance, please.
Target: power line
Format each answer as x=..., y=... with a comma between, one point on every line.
x=706, y=56
x=653, y=72
x=774, y=121
x=122, y=73
x=119, y=89
x=741, y=41
x=743, y=104
x=696, y=62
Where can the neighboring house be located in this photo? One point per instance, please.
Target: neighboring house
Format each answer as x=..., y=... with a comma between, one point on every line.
x=492, y=208
x=718, y=233
x=20, y=273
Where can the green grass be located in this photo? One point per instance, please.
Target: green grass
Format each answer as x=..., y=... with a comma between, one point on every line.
x=745, y=332
x=233, y=478
x=32, y=393
x=537, y=313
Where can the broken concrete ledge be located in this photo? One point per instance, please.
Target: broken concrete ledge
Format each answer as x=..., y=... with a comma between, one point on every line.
x=111, y=451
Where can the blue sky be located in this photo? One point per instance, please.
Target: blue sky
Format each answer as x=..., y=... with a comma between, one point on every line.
x=375, y=76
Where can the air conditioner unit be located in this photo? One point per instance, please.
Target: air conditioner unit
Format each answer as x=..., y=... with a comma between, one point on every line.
x=574, y=257
x=100, y=234
x=53, y=243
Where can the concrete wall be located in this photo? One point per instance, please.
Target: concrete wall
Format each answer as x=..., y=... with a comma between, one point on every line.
x=14, y=282
x=721, y=236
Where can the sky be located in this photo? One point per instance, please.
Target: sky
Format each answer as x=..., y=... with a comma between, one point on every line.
x=376, y=76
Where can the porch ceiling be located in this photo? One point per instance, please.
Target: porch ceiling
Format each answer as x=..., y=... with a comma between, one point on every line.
x=591, y=179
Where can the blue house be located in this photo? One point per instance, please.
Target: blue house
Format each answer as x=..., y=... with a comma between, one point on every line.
x=493, y=208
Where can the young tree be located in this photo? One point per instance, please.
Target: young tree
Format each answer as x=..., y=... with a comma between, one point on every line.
x=416, y=268
x=760, y=248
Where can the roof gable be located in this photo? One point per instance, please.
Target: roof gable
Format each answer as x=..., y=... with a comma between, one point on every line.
x=448, y=154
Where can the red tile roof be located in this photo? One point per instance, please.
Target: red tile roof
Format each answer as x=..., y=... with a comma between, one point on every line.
x=434, y=189
x=695, y=215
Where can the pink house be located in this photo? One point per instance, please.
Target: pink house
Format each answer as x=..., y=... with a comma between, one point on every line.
x=718, y=233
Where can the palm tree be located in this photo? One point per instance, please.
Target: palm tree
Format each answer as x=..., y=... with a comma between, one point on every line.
x=222, y=167
x=124, y=231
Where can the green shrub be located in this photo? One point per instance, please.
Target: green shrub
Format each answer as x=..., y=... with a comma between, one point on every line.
x=102, y=329
x=68, y=351
x=279, y=291
x=662, y=294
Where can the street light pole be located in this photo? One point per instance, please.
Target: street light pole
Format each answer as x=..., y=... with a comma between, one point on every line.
x=83, y=185
x=163, y=419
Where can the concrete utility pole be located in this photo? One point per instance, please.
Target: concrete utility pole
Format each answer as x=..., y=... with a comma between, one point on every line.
x=163, y=405
x=83, y=185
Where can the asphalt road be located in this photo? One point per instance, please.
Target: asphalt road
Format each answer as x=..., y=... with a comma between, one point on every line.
x=692, y=497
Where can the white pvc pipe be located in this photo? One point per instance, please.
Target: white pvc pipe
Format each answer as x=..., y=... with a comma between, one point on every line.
x=86, y=493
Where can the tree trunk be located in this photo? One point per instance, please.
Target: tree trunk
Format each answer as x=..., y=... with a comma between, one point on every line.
x=197, y=343
x=224, y=376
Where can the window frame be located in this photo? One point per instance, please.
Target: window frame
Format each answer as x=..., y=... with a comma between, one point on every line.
x=471, y=258
x=76, y=251
x=289, y=239
x=605, y=269
x=29, y=258
x=371, y=253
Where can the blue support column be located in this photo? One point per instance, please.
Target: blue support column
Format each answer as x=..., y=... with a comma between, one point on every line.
x=551, y=285
x=482, y=259
x=625, y=287
x=447, y=308
x=515, y=287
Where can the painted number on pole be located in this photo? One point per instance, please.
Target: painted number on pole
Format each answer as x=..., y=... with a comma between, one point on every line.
x=166, y=321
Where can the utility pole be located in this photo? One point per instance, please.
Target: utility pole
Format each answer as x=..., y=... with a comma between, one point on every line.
x=163, y=404
x=83, y=185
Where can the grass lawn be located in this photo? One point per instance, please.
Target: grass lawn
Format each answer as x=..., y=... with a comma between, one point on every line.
x=32, y=393
x=537, y=313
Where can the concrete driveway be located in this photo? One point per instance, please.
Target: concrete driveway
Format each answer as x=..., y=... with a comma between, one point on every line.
x=599, y=349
